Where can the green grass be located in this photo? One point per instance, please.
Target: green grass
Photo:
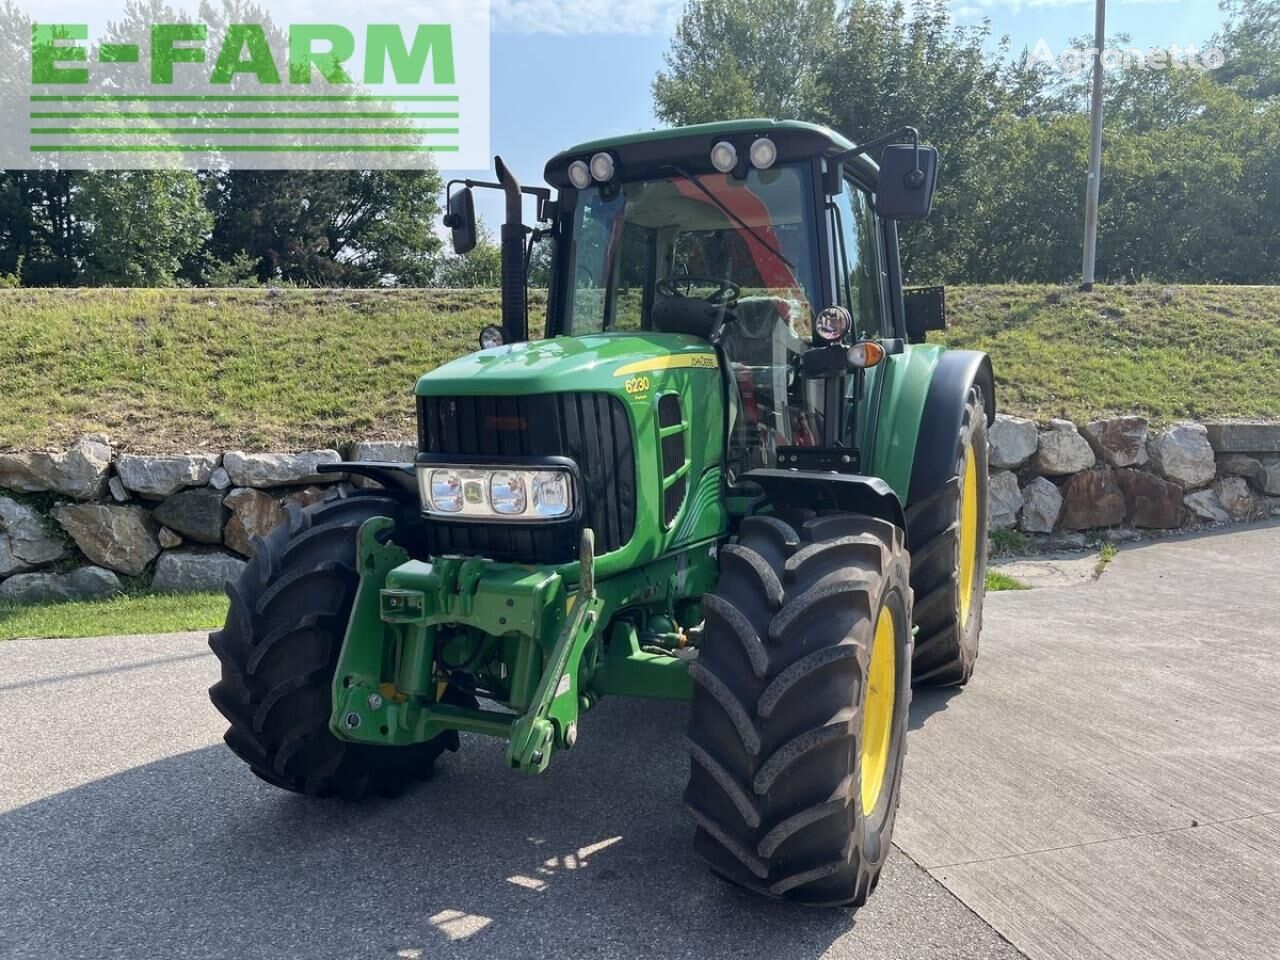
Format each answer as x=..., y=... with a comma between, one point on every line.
x=1002, y=581
x=1006, y=541
x=1166, y=352
x=122, y=615
x=1105, y=556
x=170, y=370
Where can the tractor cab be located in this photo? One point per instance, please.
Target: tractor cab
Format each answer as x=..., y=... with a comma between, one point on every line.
x=758, y=237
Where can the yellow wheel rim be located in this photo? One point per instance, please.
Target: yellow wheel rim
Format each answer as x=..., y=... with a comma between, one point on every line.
x=968, y=536
x=877, y=710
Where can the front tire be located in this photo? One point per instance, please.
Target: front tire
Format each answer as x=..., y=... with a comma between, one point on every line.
x=279, y=650
x=949, y=560
x=798, y=722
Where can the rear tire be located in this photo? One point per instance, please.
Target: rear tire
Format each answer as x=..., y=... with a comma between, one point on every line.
x=803, y=612
x=948, y=548
x=279, y=649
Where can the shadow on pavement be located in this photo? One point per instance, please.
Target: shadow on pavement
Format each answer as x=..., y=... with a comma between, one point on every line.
x=191, y=856
x=927, y=701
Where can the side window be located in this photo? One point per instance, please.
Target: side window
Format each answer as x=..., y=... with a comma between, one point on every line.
x=856, y=248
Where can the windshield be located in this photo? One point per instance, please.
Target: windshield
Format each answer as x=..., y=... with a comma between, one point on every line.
x=756, y=235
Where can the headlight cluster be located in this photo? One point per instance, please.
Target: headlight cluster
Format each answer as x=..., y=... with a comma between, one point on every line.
x=500, y=494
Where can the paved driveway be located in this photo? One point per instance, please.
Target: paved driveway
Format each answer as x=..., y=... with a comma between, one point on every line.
x=1051, y=803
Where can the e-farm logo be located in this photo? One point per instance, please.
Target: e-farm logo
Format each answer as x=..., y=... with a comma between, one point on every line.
x=221, y=90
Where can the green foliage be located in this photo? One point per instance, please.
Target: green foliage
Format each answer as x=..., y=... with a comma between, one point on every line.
x=330, y=227
x=141, y=226
x=997, y=582
x=127, y=614
x=1006, y=541
x=1191, y=181
x=481, y=268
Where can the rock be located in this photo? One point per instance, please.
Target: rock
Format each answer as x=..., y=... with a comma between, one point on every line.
x=1183, y=454
x=1013, y=442
x=196, y=514
x=1004, y=500
x=83, y=584
x=279, y=469
x=1237, y=499
x=119, y=538
x=118, y=493
x=1092, y=499
x=79, y=472
x=87, y=583
x=160, y=477
x=1244, y=437
x=1041, y=504
x=1061, y=450
x=25, y=541
x=1275, y=505
x=1269, y=477
x=396, y=451
x=306, y=497
x=1066, y=541
x=220, y=479
x=1120, y=441
x=168, y=539
x=186, y=571
x=1236, y=465
x=1152, y=503
x=1123, y=535
x=253, y=514
x=1204, y=504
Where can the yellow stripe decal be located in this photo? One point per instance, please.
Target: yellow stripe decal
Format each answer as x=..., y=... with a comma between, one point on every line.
x=672, y=361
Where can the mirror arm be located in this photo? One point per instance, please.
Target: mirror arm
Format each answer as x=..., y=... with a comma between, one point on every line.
x=916, y=176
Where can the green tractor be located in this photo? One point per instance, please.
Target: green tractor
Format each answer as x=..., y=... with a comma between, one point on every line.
x=732, y=473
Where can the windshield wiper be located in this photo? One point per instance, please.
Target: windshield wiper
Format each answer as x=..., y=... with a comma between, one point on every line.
x=733, y=216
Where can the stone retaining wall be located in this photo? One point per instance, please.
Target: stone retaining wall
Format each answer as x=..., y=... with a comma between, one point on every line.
x=1120, y=476
x=77, y=523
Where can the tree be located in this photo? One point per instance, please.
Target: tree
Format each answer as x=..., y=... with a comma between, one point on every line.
x=330, y=227
x=482, y=267
x=141, y=226
x=729, y=60
x=1250, y=42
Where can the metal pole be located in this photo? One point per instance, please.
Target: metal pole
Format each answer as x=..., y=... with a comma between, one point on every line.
x=1095, y=149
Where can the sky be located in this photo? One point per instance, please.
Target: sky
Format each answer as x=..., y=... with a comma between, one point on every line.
x=565, y=72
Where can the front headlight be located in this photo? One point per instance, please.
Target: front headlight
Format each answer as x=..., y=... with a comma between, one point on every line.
x=499, y=494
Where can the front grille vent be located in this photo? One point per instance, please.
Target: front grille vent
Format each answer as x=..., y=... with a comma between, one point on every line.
x=592, y=429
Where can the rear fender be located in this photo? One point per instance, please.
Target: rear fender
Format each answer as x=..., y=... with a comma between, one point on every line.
x=957, y=372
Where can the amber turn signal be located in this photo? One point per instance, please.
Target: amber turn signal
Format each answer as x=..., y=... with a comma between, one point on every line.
x=868, y=353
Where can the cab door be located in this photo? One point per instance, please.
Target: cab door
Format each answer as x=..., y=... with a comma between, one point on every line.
x=862, y=285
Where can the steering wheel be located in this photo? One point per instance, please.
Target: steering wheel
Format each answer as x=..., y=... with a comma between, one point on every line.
x=726, y=290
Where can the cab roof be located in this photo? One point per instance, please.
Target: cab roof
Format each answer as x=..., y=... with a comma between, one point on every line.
x=639, y=152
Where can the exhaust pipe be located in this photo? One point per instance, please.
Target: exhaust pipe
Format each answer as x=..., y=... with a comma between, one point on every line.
x=515, y=313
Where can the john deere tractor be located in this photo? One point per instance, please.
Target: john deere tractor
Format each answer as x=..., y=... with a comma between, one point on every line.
x=732, y=472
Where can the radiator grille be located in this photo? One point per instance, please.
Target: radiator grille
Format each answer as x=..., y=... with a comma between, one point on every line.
x=592, y=429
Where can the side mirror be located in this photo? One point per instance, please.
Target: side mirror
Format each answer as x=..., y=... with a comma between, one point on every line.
x=461, y=219
x=924, y=309
x=906, y=187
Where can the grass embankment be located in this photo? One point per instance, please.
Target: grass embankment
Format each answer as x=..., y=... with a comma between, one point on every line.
x=168, y=370
x=128, y=614
x=1165, y=352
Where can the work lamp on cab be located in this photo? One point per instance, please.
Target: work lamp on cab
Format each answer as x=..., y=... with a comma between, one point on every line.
x=833, y=323
x=764, y=153
x=580, y=174
x=724, y=156
x=602, y=167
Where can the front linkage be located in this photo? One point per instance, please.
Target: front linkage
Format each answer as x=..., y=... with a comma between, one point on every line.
x=543, y=644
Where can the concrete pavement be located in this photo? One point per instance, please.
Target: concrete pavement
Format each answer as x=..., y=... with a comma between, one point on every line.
x=1051, y=803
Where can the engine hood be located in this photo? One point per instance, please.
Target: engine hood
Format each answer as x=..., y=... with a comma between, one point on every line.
x=598, y=362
